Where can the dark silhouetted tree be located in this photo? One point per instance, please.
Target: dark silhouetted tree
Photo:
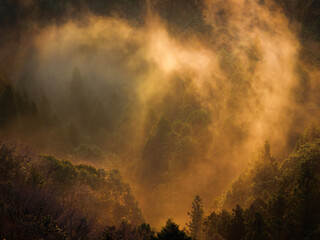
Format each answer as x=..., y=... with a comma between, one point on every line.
x=237, y=227
x=171, y=231
x=8, y=107
x=196, y=222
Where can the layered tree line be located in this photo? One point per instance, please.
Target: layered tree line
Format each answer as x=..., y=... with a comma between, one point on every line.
x=89, y=130
x=43, y=197
x=272, y=200
x=86, y=128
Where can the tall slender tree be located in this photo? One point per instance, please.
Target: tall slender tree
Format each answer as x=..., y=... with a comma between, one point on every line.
x=196, y=219
x=8, y=107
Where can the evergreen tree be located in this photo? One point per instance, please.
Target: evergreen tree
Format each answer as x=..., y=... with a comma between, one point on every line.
x=171, y=231
x=156, y=154
x=78, y=99
x=237, y=226
x=258, y=227
x=267, y=154
x=8, y=107
x=196, y=223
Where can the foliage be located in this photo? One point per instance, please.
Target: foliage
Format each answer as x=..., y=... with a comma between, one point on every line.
x=286, y=208
x=171, y=231
x=55, y=199
x=196, y=219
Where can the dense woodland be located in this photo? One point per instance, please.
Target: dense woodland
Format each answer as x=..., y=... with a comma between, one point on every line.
x=43, y=197
x=80, y=143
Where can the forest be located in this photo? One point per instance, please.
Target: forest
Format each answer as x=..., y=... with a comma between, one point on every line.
x=159, y=119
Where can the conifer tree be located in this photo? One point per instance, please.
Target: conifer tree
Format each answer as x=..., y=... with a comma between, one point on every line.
x=196, y=222
x=8, y=107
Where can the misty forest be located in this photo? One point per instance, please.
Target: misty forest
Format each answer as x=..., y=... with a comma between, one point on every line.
x=160, y=119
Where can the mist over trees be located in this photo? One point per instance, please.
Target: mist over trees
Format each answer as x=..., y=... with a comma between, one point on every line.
x=143, y=119
x=287, y=209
